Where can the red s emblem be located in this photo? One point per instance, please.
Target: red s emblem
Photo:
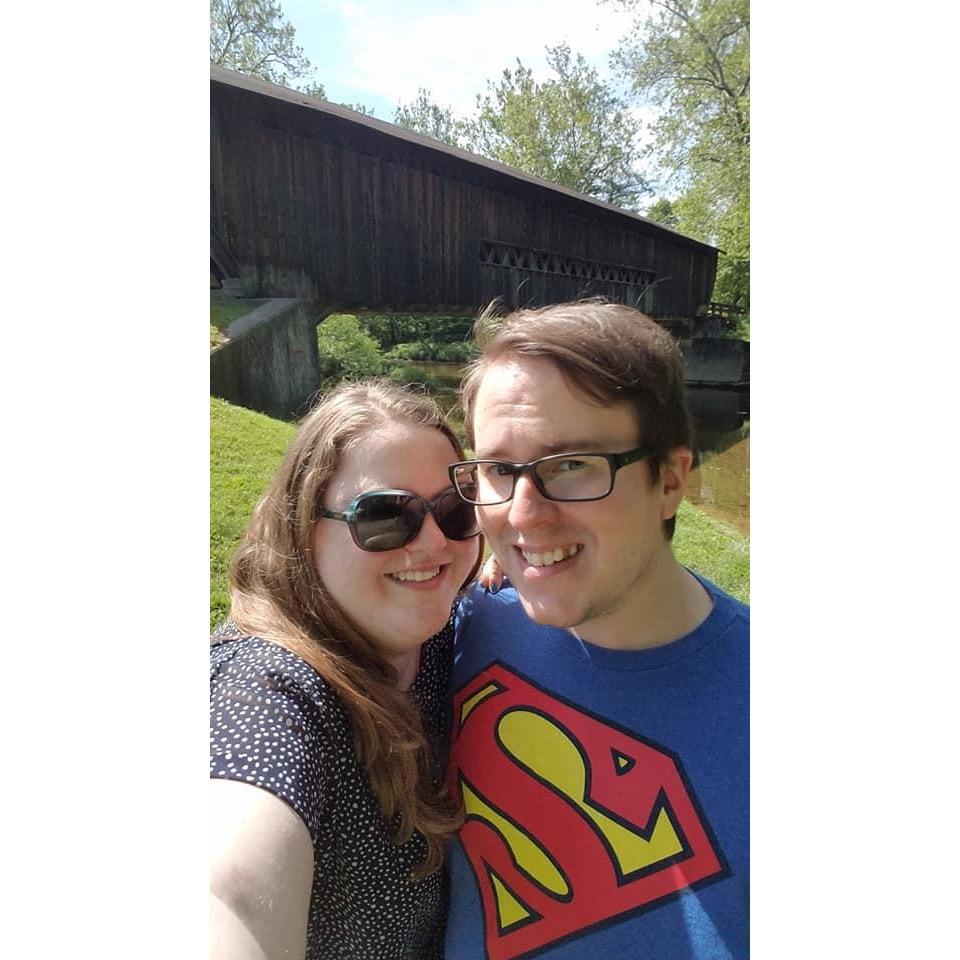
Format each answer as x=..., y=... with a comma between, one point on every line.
x=570, y=820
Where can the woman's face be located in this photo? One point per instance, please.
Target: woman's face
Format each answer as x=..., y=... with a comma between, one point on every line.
x=397, y=614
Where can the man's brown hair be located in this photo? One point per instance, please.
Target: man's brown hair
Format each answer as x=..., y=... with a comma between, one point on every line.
x=606, y=352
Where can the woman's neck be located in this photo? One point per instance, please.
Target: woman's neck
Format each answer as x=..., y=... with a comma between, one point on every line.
x=406, y=665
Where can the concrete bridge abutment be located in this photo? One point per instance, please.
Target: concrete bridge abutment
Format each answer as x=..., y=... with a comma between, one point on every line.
x=270, y=362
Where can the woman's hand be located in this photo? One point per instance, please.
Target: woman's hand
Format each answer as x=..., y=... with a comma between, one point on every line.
x=491, y=575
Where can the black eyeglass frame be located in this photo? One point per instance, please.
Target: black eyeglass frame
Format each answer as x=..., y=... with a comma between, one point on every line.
x=349, y=516
x=517, y=470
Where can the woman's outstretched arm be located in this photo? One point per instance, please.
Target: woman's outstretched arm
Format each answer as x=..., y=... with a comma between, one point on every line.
x=261, y=875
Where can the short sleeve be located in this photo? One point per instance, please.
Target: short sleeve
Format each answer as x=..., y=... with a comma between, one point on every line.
x=269, y=714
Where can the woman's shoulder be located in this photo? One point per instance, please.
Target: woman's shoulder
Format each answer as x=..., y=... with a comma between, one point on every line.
x=243, y=660
x=275, y=723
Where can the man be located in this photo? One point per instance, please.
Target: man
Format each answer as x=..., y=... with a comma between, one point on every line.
x=600, y=717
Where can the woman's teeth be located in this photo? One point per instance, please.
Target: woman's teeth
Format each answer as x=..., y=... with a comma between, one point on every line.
x=418, y=576
x=551, y=557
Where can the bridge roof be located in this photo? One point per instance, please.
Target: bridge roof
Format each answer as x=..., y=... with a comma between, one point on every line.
x=255, y=85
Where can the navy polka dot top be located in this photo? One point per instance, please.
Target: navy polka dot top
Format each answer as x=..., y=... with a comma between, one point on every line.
x=276, y=724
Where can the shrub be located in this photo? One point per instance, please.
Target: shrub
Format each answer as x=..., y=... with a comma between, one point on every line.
x=404, y=373
x=392, y=329
x=346, y=351
x=432, y=350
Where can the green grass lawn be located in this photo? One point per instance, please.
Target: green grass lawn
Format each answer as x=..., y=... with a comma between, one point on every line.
x=715, y=549
x=246, y=448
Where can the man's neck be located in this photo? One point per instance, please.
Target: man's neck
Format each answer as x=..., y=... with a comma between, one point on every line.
x=665, y=603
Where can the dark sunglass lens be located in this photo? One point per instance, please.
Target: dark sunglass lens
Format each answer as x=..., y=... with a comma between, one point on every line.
x=456, y=519
x=387, y=521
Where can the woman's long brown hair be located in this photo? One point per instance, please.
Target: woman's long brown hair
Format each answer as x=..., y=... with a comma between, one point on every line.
x=276, y=593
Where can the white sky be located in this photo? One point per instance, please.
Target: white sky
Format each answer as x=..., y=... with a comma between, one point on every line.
x=378, y=53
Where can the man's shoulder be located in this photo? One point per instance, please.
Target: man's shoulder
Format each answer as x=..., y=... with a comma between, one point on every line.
x=485, y=619
x=721, y=598
x=480, y=604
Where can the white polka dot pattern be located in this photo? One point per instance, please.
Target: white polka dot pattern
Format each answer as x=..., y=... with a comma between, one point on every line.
x=276, y=724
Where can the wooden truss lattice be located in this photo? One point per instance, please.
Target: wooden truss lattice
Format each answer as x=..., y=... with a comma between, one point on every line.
x=540, y=261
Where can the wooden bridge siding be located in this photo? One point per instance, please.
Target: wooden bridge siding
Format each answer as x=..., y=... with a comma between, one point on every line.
x=318, y=207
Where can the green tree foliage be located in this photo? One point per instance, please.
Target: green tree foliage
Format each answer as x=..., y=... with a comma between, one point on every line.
x=347, y=352
x=393, y=328
x=573, y=129
x=426, y=117
x=359, y=108
x=314, y=89
x=254, y=37
x=433, y=350
x=692, y=59
x=662, y=212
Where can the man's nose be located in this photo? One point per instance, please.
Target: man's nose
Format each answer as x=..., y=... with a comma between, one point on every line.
x=529, y=506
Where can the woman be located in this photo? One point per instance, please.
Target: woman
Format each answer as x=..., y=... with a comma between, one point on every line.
x=328, y=703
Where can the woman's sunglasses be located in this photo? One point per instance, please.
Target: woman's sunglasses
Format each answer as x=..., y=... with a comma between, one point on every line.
x=388, y=519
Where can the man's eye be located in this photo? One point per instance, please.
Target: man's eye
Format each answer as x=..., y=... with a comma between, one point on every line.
x=569, y=466
x=502, y=469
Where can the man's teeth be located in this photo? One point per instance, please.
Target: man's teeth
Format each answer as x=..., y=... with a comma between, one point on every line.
x=418, y=576
x=551, y=557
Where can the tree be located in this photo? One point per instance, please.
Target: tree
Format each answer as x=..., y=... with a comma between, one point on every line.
x=253, y=37
x=347, y=351
x=425, y=117
x=662, y=212
x=692, y=59
x=361, y=108
x=314, y=89
x=572, y=129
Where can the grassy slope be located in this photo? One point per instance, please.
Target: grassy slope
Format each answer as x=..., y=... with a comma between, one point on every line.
x=246, y=448
x=715, y=549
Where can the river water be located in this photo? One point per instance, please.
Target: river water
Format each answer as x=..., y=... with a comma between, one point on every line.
x=719, y=484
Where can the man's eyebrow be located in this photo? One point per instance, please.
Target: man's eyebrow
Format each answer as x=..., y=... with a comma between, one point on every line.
x=548, y=449
x=573, y=446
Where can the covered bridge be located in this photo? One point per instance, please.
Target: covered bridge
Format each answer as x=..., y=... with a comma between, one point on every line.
x=314, y=201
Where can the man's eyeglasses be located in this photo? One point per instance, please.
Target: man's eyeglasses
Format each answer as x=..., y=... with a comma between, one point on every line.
x=562, y=476
x=388, y=519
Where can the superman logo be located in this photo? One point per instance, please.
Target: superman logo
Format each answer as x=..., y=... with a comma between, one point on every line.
x=570, y=821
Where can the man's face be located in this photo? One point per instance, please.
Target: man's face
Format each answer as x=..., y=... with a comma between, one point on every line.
x=613, y=549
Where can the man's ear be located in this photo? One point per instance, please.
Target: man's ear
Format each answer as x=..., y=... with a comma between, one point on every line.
x=674, y=469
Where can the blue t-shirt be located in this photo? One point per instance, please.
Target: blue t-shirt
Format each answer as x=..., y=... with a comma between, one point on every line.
x=606, y=791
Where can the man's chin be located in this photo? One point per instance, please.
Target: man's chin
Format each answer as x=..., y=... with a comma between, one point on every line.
x=547, y=614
